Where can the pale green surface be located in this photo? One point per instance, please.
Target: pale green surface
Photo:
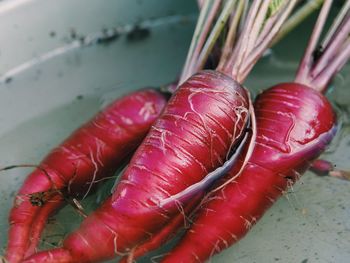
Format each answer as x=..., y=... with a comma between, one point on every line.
x=39, y=108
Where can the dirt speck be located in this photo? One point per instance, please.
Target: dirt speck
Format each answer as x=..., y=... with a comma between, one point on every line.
x=108, y=36
x=73, y=33
x=138, y=33
x=8, y=80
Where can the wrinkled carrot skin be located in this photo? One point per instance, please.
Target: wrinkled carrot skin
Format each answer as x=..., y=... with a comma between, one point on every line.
x=190, y=139
x=294, y=125
x=95, y=150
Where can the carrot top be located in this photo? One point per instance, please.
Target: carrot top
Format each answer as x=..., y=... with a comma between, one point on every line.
x=322, y=60
x=248, y=29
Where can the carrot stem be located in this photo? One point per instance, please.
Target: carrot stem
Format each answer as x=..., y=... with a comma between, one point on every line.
x=299, y=16
x=231, y=36
x=200, y=3
x=239, y=51
x=260, y=27
x=334, y=42
x=258, y=24
x=317, y=72
x=215, y=33
x=320, y=83
x=303, y=72
x=259, y=49
x=199, y=27
x=336, y=24
x=201, y=39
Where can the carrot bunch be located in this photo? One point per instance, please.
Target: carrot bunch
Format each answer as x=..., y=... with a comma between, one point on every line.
x=200, y=141
x=171, y=170
x=306, y=123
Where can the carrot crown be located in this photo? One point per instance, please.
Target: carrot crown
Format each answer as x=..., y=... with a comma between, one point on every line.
x=259, y=27
x=322, y=60
x=248, y=28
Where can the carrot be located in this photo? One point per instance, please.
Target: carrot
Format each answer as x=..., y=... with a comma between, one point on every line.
x=204, y=118
x=295, y=123
x=191, y=138
x=277, y=161
x=95, y=150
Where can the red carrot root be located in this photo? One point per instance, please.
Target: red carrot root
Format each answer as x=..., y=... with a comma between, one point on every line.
x=191, y=138
x=278, y=160
x=294, y=125
x=94, y=151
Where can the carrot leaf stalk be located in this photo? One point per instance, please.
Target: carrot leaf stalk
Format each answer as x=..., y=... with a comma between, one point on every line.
x=254, y=32
x=298, y=17
x=201, y=33
x=198, y=34
x=261, y=25
x=321, y=63
x=232, y=15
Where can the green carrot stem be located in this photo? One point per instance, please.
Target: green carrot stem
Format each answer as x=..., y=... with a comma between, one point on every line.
x=297, y=18
x=215, y=33
x=231, y=36
x=199, y=27
x=240, y=49
x=259, y=49
x=202, y=38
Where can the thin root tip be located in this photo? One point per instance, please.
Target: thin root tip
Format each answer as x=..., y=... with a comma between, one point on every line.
x=3, y=259
x=344, y=175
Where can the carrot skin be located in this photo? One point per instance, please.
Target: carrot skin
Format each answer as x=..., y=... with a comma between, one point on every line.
x=196, y=191
x=56, y=256
x=190, y=139
x=93, y=151
x=157, y=240
x=294, y=125
x=165, y=234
